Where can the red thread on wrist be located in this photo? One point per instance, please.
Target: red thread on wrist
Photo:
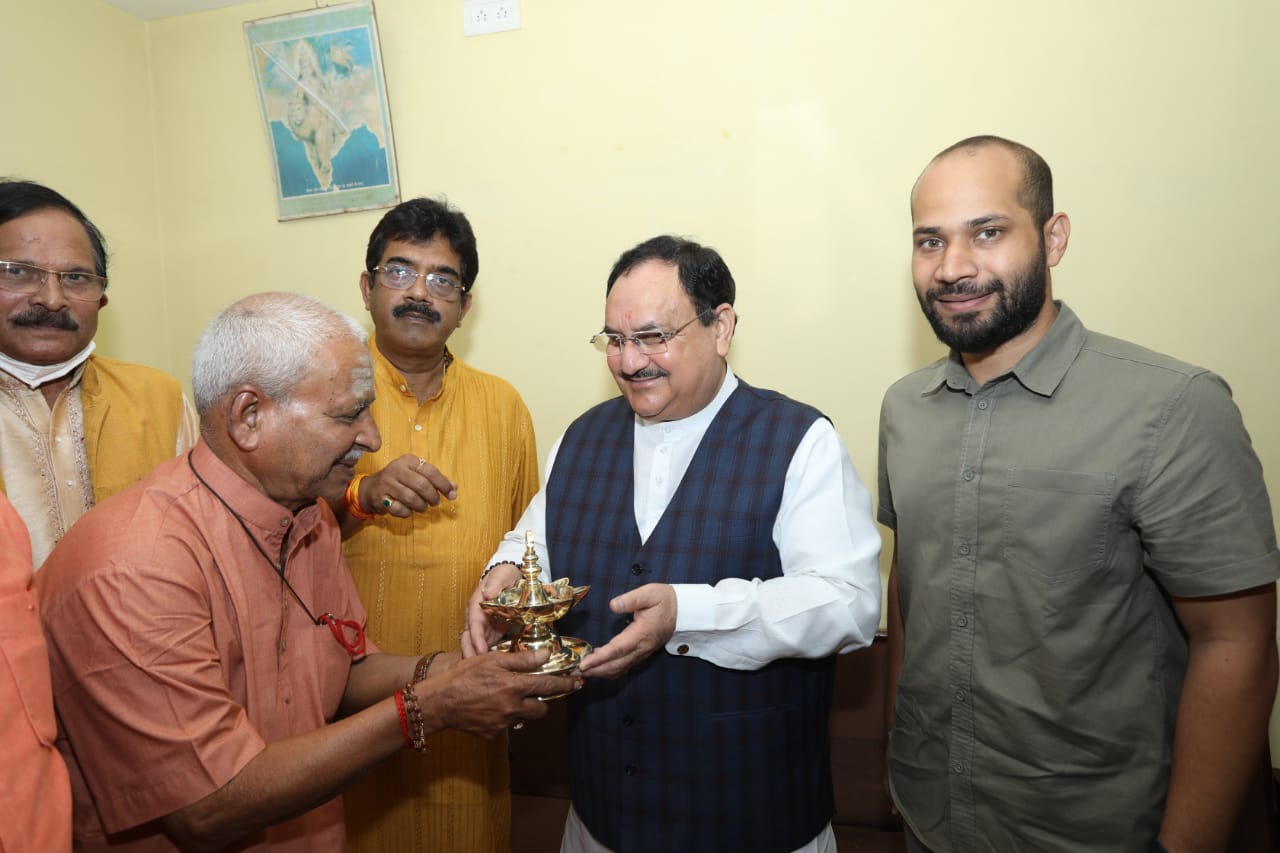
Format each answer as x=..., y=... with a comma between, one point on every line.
x=404, y=718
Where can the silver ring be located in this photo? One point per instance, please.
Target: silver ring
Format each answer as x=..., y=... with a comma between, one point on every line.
x=517, y=726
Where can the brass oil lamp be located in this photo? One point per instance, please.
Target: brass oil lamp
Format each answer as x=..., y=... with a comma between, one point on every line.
x=535, y=606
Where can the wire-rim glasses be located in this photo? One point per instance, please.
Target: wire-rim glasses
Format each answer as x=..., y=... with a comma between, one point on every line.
x=646, y=343
x=400, y=277
x=28, y=279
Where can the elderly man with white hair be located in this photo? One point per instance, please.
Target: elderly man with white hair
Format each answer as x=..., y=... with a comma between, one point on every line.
x=204, y=631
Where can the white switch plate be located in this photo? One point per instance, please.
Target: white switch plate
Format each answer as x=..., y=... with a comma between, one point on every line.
x=480, y=17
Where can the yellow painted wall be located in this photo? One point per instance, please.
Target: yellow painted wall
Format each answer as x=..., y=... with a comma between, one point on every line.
x=787, y=134
x=76, y=114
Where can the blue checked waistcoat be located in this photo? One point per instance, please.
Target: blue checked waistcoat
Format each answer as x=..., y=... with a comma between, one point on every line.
x=679, y=754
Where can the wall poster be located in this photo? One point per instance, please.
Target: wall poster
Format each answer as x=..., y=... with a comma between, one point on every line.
x=324, y=103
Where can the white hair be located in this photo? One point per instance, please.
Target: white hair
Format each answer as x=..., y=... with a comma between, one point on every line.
x=266, y=340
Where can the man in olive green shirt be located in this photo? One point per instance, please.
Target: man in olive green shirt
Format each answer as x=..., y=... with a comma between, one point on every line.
x=1082, y=601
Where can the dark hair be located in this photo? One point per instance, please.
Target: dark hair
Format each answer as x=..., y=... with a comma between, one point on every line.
x=1036, y=193
x=18, y=198
x=417, y=221
x=703, y=273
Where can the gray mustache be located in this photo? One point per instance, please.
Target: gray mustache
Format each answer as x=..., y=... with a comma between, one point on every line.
x=650, y=372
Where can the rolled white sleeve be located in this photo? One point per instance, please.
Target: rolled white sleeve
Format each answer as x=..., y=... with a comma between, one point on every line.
x=828, y=599
x=511, y=548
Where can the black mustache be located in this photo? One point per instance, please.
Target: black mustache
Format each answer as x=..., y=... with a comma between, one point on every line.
x=966, y=288
x=417, y=308
x=649, y=372
x=40, y=316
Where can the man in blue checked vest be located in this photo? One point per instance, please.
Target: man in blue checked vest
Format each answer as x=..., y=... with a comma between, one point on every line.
x=731, y=554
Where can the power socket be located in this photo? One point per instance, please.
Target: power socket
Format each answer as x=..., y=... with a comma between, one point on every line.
x=481, y=17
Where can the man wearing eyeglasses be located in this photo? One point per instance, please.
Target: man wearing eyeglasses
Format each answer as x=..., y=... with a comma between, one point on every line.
x=75, y=427
x=731, y=553
x=210, y=669
x=456, y=468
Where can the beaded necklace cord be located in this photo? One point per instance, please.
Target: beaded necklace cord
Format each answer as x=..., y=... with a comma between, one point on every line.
x=339, y=627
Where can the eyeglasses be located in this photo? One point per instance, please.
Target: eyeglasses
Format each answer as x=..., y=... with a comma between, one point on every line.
x=23, y=278
x=646, y=343
x=399, y=277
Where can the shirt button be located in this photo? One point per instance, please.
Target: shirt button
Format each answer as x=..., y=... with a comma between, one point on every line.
x=629, y=770
x=682, y=649
x=417, y=427
x=959, y=695
x=968, y=475
x=637, y=569
x=962, y=621
x=404, y=387
x=69, y=482
x=628, y=720
x=57, y=439
x=984, y=405
x=958, y=768
x=964, y=549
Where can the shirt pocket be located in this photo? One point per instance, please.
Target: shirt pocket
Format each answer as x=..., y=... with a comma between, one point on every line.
x=24, y=655
x=1055, y=523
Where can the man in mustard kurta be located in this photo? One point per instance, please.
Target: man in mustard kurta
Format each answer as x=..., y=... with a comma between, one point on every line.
x=456, y=468
x=75, y=428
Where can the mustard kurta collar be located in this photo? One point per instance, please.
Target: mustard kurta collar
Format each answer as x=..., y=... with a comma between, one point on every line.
x=388, y=372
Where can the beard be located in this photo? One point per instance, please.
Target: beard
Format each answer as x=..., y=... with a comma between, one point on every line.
x=1016, y=308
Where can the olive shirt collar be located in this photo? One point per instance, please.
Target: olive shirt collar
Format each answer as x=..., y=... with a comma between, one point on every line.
x=1039, y=371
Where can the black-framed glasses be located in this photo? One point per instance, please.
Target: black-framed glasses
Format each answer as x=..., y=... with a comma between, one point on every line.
x=17, y=277
x=400, y=277
x=646, y=343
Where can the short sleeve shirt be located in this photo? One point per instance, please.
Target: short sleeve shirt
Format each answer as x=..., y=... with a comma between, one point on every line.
x=177, y=653
x=1041, y=519
x=35, y=798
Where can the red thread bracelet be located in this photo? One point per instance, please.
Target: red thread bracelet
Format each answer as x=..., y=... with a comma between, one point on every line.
x=404, y=718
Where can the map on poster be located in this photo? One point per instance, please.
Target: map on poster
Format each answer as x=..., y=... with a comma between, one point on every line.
x=320, y=87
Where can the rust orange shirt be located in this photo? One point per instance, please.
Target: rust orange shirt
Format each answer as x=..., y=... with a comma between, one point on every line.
x=35, y=799
x=177, y=653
